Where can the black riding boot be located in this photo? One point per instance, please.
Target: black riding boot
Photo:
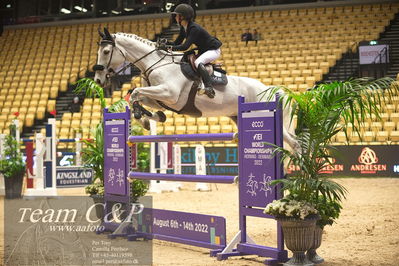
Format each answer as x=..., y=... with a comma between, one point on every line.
x=207, y=81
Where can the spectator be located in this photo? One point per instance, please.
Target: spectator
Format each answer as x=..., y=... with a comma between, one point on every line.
x=246, y=37
x=256, y=36
x=74, y=106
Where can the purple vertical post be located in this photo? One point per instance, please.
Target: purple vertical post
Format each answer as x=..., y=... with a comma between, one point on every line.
x=258, y=123
x=116, y=160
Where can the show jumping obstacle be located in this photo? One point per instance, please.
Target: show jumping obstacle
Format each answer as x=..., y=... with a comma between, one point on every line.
x=258, y=166
x=42, y=176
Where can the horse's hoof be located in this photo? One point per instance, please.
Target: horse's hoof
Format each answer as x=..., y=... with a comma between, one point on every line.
x=161, y=116
x=137, y=115
x=136, y=110
x=210, y=93
x=146, y=124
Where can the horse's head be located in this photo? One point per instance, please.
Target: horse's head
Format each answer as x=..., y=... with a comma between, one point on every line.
x=109, y=57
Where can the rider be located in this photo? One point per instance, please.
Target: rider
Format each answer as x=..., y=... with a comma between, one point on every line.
x=208, y=46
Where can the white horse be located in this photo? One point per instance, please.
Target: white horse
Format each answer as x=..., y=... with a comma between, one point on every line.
x=167, y=87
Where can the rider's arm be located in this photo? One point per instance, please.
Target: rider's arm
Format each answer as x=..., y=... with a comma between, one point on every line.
x=189, y=41
x=180, y=38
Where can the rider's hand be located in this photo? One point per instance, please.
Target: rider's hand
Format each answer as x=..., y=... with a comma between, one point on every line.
x=162, y=46
x=165, y=47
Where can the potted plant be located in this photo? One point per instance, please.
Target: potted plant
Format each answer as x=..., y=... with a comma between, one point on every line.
x=321, y=113
x=12, y=165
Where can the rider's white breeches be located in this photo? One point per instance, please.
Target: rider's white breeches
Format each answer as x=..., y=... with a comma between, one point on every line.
x=207, y=57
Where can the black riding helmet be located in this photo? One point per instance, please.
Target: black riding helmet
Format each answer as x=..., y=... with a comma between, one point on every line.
x=185, y=10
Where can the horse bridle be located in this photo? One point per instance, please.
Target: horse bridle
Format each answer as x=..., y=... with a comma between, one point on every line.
x=111, y=72
x=98, y=67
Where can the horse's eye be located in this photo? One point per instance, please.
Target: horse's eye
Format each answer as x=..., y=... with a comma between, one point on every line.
x=106, y=51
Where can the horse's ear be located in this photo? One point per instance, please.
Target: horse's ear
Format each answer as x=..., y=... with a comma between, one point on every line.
x=108, y=35
x=101, y=34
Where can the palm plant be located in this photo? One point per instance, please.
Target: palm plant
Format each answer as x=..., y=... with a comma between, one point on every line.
x=321, y=113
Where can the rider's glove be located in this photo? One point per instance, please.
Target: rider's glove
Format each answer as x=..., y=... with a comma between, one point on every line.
x=162, y=45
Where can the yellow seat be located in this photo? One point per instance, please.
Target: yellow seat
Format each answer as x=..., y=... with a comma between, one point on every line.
x=213, y=120
x=264, y=74
x=75, y=124
x=215, y=129
x=287, y=81
x=299, y=80
x=181, y=129
x=203, y=129
x=282, y=66
x=271, y=67
x=224, y=120
x=190, y=121
x=389, y=126
x=202, y=121
x=310, y=81
x=306, y=72
x=302, y=87
x=368, y=136
x=179, y=121
x=192, y=129
x=340, y=137
x=274, y=74
x=41, y=112
x=382, y=136
x=394, y=136
x=277, y=81
x=394, y=117
x=226, y=128
x=254, y=74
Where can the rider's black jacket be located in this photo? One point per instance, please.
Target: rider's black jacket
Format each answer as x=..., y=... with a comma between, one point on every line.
x=195, y=35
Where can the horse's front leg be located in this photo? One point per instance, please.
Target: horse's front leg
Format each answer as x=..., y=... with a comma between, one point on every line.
x=160, y=92
x=139, y=98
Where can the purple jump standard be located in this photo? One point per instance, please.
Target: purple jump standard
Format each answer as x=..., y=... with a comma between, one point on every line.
x=258, y=123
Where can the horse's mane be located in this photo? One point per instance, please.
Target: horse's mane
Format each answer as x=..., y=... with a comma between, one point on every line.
x=138, y=38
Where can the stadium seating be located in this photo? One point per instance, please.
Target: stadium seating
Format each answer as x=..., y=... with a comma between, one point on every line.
x=298, y=46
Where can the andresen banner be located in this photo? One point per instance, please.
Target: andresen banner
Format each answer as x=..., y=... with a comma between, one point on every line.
x=362, y=160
